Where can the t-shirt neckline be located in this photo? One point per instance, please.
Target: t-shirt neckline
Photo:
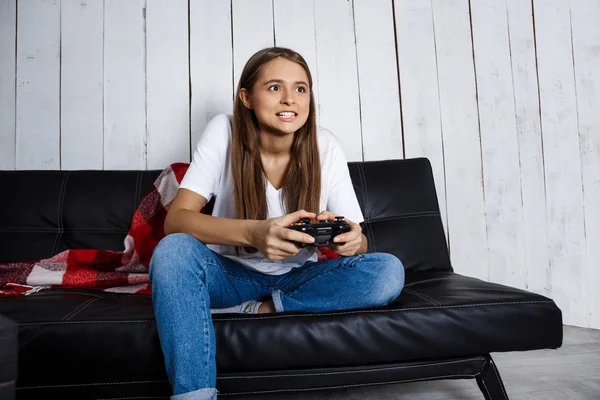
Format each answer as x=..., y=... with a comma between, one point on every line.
x=271, y=187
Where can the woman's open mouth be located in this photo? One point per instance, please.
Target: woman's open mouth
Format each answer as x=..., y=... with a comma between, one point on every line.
x=287, y=116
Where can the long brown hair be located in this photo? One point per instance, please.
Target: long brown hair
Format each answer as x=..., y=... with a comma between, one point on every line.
x=302, y=182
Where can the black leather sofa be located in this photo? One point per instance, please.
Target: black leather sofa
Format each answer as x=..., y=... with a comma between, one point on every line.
x=84, y=344
x=8, y=358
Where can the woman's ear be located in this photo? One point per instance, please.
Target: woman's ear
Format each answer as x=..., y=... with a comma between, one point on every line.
x=245, y=98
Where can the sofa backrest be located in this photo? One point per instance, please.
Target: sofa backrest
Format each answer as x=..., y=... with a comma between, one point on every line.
x=45, y=212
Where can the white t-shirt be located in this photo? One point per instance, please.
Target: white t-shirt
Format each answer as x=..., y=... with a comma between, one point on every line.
x=209, y=174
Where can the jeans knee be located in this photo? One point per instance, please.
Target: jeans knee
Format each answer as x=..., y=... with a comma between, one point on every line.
x=171, y=256
x=389, y=281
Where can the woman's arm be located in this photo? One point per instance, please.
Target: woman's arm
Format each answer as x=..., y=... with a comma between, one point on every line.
x=270, y=236
x=184, y=217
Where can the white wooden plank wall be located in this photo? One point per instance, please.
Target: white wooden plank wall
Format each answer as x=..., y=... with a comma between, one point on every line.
x=585, y=24
x=527, y=122
x=211, y=63
x=167, y=82
x=253, y=30
x=418, y=70
x=500, y=95
x=38, y=85
x=295, y=29
x=564, y=197
x=378, y=81
x=460, y=130
x=339, y=106
x=8, y=31
x=82, y=83
x=499, y=142
x=124, y=85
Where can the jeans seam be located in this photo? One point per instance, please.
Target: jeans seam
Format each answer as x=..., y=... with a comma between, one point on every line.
x=206, y=335
x=205, y=332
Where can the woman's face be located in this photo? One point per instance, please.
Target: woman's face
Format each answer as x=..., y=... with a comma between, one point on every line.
x=280, y=97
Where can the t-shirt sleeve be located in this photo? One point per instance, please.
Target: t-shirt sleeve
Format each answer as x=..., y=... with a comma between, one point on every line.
x=342, y=199
x=208, y=162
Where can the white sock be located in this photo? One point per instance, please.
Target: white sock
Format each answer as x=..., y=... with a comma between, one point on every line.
x=247, y=307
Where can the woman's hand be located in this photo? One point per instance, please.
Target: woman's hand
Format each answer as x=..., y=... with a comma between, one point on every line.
x=275, y=241
x=345, y=244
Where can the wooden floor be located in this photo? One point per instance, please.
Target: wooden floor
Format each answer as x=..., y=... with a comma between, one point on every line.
x=569, y=373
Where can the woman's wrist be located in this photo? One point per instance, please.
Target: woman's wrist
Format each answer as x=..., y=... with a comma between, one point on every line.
x=250, y=227
x=362, y=249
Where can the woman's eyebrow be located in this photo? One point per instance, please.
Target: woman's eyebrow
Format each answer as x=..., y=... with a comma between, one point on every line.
x=281, y=81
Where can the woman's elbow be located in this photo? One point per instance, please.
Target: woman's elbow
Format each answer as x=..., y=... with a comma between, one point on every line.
x=168, y=223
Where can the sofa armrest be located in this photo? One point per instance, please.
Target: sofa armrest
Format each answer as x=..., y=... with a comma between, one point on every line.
x=8, y=358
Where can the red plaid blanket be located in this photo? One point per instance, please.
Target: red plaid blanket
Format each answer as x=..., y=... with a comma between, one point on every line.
x=112, y=271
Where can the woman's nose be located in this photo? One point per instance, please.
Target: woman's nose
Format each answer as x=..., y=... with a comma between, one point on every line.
x=287, y=97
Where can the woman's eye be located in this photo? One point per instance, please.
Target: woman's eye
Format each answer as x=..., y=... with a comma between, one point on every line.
x=274, y=88
x=301, y=89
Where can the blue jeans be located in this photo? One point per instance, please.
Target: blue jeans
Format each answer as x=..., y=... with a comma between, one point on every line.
x=188, y=279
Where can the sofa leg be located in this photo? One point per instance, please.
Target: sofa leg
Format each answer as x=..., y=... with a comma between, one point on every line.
x=490, y=383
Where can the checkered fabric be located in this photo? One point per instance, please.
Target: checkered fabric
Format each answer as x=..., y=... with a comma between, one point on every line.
x=112, y=271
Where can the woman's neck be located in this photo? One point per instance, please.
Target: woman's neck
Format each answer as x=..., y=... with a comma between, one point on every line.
x=275, y=167
x=273, y=146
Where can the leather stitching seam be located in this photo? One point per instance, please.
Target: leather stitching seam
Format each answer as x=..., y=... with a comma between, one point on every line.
x=60, y=214
x=357, y=371
x=455, y=376
x=424, y=297
x=438, y=279
x=275, y=316
x=370, y=236
x=270, y=376
x=87, y=303
x=68, y=316
x=88, y=384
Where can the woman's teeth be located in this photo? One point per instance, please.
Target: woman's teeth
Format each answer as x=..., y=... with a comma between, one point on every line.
x=286, y=114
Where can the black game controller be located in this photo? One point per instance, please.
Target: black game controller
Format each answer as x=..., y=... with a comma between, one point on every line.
x=323, y=231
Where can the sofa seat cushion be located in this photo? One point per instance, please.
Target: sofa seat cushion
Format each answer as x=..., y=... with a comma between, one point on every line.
x=79, y=336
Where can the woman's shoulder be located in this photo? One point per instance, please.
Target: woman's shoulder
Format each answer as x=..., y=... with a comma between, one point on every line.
x=217, y=130
x=329, y=144
x=220, y=122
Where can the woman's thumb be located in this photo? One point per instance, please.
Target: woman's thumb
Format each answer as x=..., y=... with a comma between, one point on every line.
x=295, y=216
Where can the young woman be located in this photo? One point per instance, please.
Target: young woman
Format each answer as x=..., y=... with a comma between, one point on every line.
x=267, y=166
